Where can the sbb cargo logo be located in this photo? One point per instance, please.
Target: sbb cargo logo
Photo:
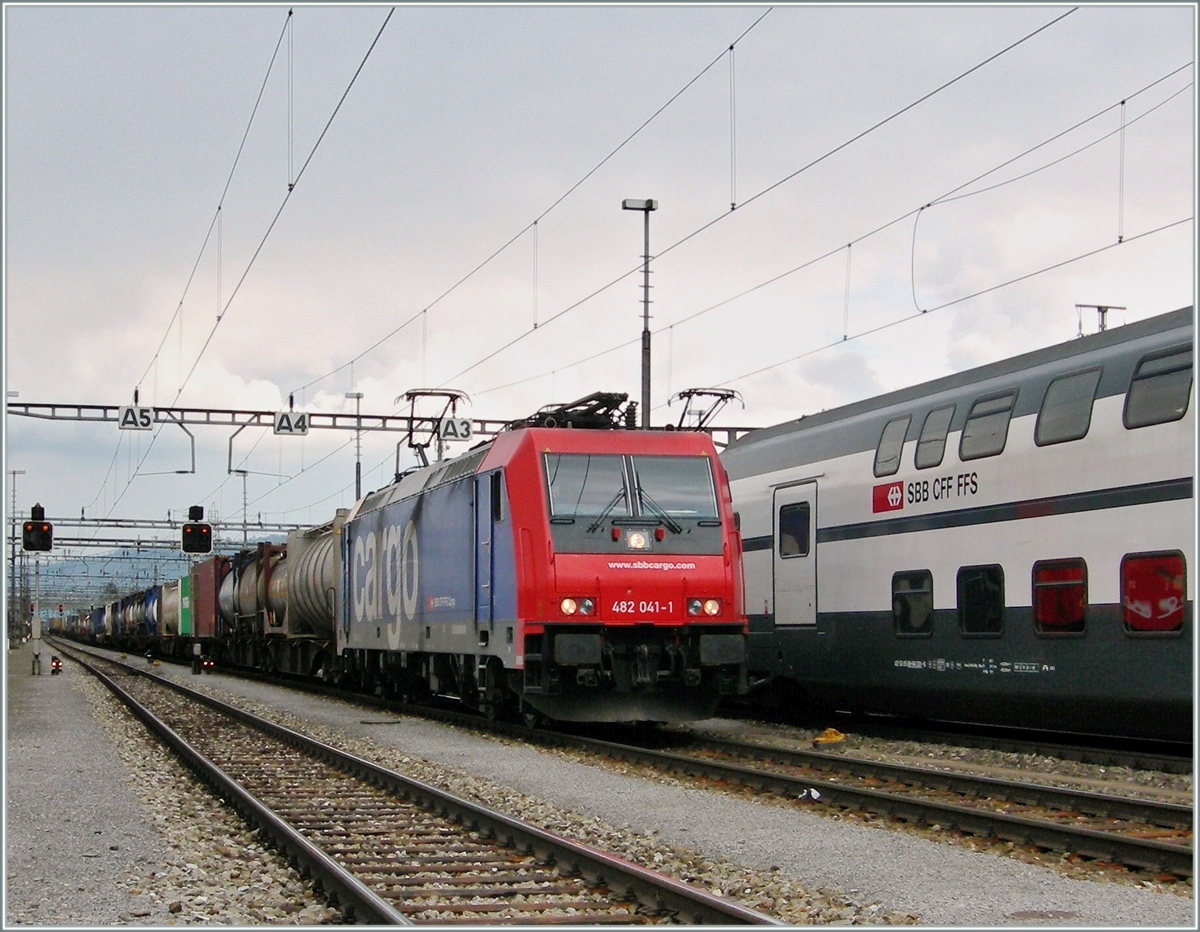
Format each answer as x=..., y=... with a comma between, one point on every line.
x=888, y=497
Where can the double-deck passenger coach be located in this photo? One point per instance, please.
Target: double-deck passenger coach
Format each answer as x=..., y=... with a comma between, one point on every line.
x=1013, y=545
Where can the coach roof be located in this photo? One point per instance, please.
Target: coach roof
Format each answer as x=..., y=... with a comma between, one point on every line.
x=858, y=424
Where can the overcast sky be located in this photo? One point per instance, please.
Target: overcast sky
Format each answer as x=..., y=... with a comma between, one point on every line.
x=467, y=124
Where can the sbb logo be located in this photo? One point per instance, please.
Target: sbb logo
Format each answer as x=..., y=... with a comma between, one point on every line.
x=888, y=497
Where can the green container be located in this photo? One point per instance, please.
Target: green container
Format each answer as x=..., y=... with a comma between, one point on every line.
x=185, y=607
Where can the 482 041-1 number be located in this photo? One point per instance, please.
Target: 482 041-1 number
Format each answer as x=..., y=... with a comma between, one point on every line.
x=642, y=607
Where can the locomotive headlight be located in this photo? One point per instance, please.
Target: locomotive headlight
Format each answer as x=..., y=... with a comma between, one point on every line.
x=582, y=606
x=637, y=540
x=586, y=606
x=704, y=606
x=712, y=606
x=568, y=606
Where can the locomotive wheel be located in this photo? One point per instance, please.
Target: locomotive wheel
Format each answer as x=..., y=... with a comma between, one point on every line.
x=531, y=717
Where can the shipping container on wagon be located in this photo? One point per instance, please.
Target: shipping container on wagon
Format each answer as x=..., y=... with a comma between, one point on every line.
x=206, y=580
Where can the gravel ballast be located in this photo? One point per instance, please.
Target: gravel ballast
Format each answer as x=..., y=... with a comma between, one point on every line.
x=794, y=863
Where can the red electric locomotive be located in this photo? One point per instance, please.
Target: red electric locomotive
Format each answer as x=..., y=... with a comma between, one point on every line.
x=575, y=574
x=632, y=610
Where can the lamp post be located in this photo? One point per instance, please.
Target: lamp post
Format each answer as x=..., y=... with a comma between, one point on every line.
x=12, y=579
x=645, y=206
x=357, y=396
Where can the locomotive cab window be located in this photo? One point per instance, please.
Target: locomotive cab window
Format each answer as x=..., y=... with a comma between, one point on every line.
x=794, y=530
x=912, y=603
x=932, y=445
x=1066, y=412
x=1059, y=597
x=1153, y=592
x=583, y=484
x=1161, y=388
x=986, y=430
x=981, y=600
x=891, y=445
x=679, y=486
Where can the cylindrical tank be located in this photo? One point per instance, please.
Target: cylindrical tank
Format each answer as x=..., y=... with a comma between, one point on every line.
x=152, y=598
x=277, y=589
x=169, y=609
x=311, y=576
x=226, y=598
x=237, y=588
x=272, y=564
x=246, y=594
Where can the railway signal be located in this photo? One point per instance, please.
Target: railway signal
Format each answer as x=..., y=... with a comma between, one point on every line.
x=197, y=536
x=37, y=533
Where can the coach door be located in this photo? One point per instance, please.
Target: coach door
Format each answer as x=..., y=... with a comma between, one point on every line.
x=795, y=560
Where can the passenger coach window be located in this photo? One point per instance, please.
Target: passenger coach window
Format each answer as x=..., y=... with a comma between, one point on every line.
x=1067, y=408
x=986, y=430
x=891, y=445
x=912, y=603
x=794, y=530
x=1160, y=390
x=932, y=445
x=1059, y=596
x=981, y=599
x=1153, y=592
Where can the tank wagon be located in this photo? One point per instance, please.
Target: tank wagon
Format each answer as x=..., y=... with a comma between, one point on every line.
x=567, y=573
x=1012, y=545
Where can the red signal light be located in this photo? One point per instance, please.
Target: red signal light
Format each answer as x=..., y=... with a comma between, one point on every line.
x=197, y=538
x=37, y=535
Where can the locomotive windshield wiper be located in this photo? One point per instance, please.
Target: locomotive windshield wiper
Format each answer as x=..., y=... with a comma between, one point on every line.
x=645, y=499
x=607, y=510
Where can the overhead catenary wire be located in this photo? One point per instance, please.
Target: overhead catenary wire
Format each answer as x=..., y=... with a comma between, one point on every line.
x=771, y=187
x=221, y=200
x=952, y=195
x=532, y=225
x=947, y=198
x=267, y=234
x=178, y=314
x=535, y=319
x=846, y=338
x=959, y=300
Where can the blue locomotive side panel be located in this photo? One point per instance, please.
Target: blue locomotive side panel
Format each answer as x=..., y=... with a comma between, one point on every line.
x=409, y=582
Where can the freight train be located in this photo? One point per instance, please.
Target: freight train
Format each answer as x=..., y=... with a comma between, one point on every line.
x=1012, y=545
x=578, y=573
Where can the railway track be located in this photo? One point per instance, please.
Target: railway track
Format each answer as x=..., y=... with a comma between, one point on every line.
x=388, y=850
x=1139, y=833
x=1136, y=754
